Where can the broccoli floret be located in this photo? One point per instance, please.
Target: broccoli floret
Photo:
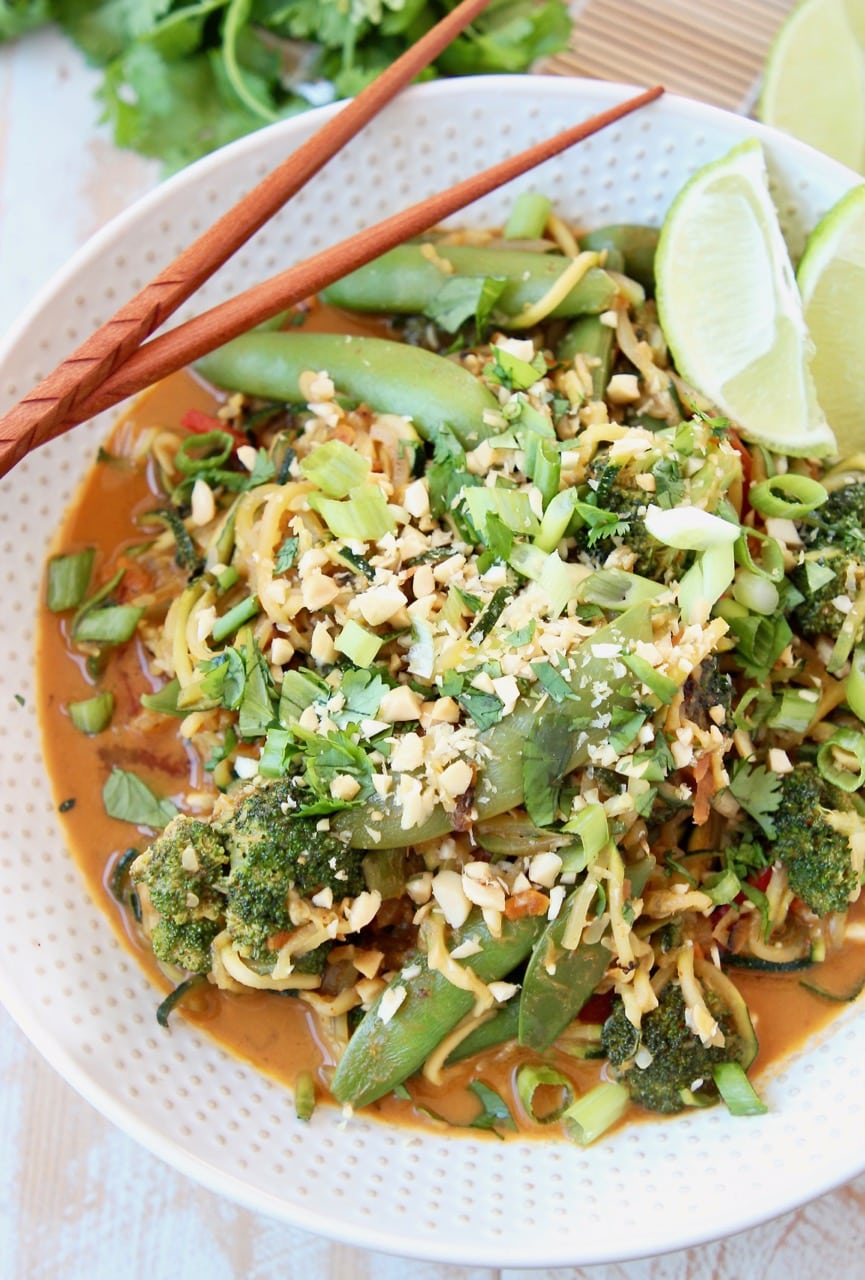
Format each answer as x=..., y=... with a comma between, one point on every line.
x=679, y=1073
x=182, y=878
x=823, y=577
x=613, y=488
x=707, y=687
x=839, y=521
x=834, y=562
x=689, y=465
x=813, y=823
x=186, y=946
x=272, y=850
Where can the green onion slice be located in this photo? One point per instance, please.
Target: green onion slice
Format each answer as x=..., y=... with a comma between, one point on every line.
x=661, y=686
x=229, y=622
x=855, y=690
x=92, y=715
x=736, y=1090
x=203, y=452
x=771, y=562
x=596, y=1112
x=68, y=579
x=304, y=1095
x=115, y=624
x=852, y=743
x=335, y=468
x=364, y=516
x=787, y=495
x=530, y=1078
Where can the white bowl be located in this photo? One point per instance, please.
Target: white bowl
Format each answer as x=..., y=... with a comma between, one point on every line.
x=79, y=995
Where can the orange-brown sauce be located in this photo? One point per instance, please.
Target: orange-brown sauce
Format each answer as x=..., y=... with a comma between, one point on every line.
x=275, y=1033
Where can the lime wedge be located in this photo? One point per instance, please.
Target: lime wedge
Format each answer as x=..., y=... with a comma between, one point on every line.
x=730, y=308
x=832, y=283
x=814, y=80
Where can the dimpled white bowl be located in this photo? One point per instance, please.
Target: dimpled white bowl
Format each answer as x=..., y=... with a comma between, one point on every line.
x=79, y=995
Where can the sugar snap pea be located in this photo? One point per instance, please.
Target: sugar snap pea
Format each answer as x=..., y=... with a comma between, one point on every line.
x=590, y=337
x=380, y=1055
x=388, y=376
x=636, y=244
x=498, y=1029
x=405, y=281
x=558, y=982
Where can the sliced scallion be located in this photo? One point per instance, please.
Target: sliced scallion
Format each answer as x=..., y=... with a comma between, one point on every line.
x=531, y=1078
x=68, y=579
x=528, y=216
x=228, y=623
x=92, y=715
x=661, y=686
x=596, y=1112
x=591, y=826
x=304, y=1095
x=556, y=519
x=114, y=624
x=512, y=506
x=618, y=589
x=358, y=644
x=854, y=692
x=203, y=452
x=756, y=592
x=771, y=562
x=164, y=701
x=793, y=711
x=736, y=1090
x=364, y=516
x=788, y=495
x=335, y=468
x=850, y=745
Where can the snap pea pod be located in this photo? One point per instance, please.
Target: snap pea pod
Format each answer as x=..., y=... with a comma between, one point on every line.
x=500, y=784
x=498, y=1029
x=588, y=336
x=404, y=281
x=558, y=982
x=380, y=1055
x=635, y=243
x=390, y=377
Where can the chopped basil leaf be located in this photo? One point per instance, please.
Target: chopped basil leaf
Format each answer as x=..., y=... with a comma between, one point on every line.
x=126, y=797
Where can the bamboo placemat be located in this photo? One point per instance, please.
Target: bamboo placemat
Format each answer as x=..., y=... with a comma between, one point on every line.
x=713, y=50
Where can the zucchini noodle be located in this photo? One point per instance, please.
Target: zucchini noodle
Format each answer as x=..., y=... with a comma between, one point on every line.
x=512, y=683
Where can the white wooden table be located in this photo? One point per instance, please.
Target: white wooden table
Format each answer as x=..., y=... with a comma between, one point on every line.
x=78, y=1199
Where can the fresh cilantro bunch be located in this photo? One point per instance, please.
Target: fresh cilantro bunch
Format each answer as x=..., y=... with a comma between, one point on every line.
x=183, y=78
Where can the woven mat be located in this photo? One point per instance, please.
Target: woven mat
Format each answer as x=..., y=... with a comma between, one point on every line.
x=712, y=50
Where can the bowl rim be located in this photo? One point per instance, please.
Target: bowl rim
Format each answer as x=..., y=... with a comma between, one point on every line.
x=38, y=1029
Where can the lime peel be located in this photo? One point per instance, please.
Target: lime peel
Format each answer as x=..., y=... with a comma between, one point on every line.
x=831, y=278
x=814, y=80
x=730, y=307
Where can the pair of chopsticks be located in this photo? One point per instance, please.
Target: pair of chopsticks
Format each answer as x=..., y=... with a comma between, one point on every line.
x=112, y=364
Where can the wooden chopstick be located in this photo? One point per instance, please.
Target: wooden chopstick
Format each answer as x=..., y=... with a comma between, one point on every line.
x=171, y=351
x=52, y=406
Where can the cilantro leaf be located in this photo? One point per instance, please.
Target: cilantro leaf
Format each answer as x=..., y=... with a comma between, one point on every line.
x=758, y=792
x=484, y=708
x=286, y=555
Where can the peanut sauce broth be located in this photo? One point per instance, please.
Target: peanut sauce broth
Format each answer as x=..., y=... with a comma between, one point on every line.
x=275, y=1033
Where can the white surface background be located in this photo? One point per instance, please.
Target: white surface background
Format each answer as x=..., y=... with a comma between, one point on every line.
x=78, y=1198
